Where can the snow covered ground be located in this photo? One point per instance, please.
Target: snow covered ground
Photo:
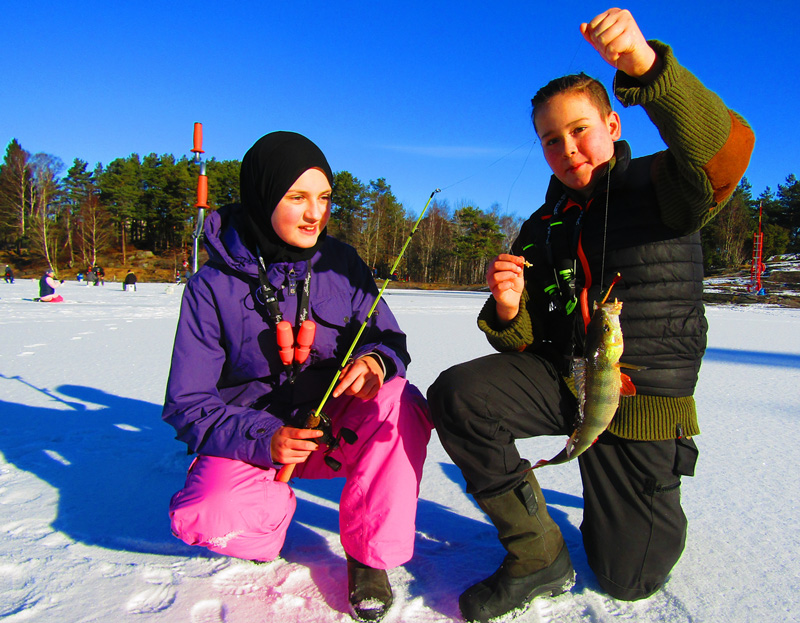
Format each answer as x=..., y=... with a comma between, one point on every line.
x=87, y=469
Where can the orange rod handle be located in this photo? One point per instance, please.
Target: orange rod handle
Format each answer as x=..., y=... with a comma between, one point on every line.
x=198, y=138
x=285, y=473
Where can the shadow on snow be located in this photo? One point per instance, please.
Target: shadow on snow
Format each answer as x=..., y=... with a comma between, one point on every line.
x=115, y=466
x=752, y=358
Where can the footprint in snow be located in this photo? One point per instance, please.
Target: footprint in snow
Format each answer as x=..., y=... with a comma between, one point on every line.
x=18, y=594
x=201, y=567
x=618, y=609
x=241, y=579
x=153, y=599
x=555, y=609
x=111, y=570
x=208, y=611
x=157, y=597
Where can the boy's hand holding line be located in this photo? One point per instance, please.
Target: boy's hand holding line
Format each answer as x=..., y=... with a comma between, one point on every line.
x=616, y=36
x=505, y=280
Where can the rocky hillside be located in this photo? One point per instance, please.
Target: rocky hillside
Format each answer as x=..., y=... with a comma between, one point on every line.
x=145, y=264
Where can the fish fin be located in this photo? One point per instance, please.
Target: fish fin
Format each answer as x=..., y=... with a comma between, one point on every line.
x=631, y=366
x=579, y=378
x=627, y=388
x=570, y=447
x=559, y=458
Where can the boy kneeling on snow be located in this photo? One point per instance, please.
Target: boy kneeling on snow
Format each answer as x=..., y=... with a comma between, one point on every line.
x=604, y=212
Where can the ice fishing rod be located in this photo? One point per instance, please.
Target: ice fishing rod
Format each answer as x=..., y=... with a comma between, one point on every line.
x=202, y=193
x=317, y=418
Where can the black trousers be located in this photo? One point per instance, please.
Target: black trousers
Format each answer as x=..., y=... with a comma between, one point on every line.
x=634, y=528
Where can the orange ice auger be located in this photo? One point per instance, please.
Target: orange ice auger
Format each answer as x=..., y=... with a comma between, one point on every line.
x=202, y=192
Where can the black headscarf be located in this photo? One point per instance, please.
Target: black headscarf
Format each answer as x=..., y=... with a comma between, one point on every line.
x=269, y=168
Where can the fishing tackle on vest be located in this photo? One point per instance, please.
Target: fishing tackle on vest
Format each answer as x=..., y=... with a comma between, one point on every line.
x=286, y=471
x=291, y=351
x=562, y=291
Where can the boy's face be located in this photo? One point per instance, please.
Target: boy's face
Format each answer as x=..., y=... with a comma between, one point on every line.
x=577, y=139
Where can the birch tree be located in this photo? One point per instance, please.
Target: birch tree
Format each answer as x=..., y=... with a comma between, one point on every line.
x=44, y=197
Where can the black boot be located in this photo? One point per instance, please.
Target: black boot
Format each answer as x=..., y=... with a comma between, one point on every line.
x=537, y=562
x=368, y=591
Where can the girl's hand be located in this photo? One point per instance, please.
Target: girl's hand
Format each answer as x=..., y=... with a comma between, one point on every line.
x=362, y=379
x=616, y=36
x=289, y=445
x=505, y=280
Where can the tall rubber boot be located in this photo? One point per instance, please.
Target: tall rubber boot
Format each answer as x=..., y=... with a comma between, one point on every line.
x=537, y=562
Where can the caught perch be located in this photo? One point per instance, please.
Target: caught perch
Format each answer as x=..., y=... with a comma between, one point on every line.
x=599, y=381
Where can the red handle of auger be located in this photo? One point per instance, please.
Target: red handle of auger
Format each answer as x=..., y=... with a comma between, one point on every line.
x=285, y=337
x=305, y=338
x=202, y=191
x=198, y=138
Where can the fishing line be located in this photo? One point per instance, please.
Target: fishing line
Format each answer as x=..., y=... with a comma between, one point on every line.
x=503, y=157
x=532, y=143
x=522, y=168
x=608, y=184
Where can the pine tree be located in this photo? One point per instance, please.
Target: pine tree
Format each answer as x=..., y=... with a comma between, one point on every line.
x=15, y=184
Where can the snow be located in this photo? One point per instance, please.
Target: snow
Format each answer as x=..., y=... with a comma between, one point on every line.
x=87, y=469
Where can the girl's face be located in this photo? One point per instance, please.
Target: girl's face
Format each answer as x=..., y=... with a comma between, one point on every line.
x=577, y=140
x=304, y=210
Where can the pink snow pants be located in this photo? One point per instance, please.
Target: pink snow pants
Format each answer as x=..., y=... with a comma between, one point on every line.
x=240, y=510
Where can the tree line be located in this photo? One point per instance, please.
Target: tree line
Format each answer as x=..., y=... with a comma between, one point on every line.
x=148, y=203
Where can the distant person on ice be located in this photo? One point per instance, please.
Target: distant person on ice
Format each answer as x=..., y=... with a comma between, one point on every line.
x=242, y=408
x=604, y=212
x=130, y=281
x=47, y=287
x=9, y=274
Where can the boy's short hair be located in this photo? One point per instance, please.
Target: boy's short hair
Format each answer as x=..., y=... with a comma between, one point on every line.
x=573, y=83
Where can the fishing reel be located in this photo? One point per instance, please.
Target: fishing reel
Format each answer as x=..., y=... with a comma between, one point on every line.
x=323, y=422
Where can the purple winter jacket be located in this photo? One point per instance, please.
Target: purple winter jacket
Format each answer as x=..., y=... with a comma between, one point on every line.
x=225, y=357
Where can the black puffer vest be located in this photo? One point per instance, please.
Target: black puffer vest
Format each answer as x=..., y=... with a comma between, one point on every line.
x=663, y=320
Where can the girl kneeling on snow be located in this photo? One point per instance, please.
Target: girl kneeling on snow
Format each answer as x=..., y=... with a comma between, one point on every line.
x=47, y=288
x=241, y=407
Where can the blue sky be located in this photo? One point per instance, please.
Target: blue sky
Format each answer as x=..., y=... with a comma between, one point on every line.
x=425, y=94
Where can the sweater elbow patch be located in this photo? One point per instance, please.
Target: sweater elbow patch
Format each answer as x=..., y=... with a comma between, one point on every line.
x=728, y=166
